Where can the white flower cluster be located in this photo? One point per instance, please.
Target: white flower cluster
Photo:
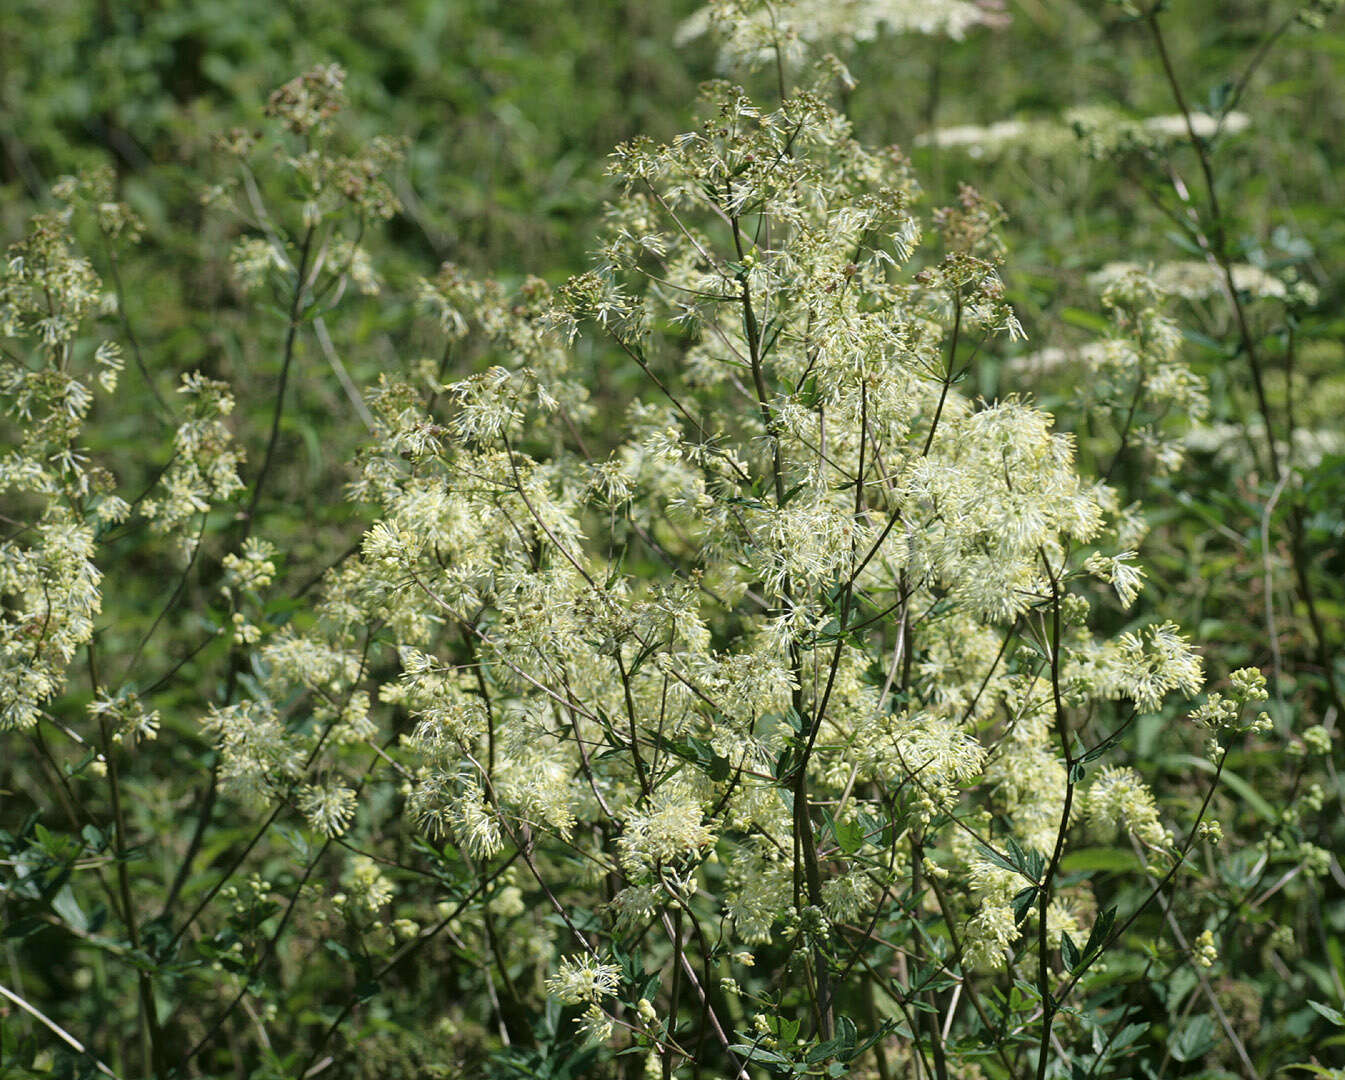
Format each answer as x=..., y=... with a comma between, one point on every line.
x=204, y=467
x=1100, y=130
x=810, y=608
x=584, y=980
x=52, y=587
x=1119, y=798
x=1193, y=279
x=1136, y=373
x=755, y=31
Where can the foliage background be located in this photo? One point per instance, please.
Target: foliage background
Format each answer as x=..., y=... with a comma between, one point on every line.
x=509, y=110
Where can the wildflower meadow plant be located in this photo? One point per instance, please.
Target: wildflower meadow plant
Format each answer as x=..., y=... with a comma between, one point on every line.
x=716, y=686
x=848, y=721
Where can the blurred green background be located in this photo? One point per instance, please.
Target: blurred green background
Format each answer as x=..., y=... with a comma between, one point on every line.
x=509, y=110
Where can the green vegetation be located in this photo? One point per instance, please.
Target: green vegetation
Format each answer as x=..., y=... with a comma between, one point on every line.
x=626, y=540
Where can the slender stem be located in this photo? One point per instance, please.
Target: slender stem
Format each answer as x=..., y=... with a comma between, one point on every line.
x=1206, y=989
x=153, y=1050
x=931, y=1015
x=1051, y=1005
x=291, y=336
x=1221, y=257
x=676, y=991
x=640, y=771
x=55, y=1028
x=1219, y=237
x=1240, y=87
x=804, y=840
x=408, y=950
x=114, y=269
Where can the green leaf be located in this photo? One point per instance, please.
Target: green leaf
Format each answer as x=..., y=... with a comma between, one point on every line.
x=1193, y=1039
x=1088, y=860
x=996, y=858
x=847, y=1032
x=822, y=1051
x=1022, y=903
x=67, y=907
x=1128, y=1035
x=850, y=835
x=760, y=1055
x=862, y=1046
x=1334, y=1015
x=1087, y=320
x=1185, y=243
x=1097, y=937
x=643, y=655
x=1101, y=748
x=1069, y=952
x=1196, y=337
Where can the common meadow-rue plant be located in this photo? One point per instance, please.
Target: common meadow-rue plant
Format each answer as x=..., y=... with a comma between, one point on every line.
x=717, y=687
x=793, y=676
